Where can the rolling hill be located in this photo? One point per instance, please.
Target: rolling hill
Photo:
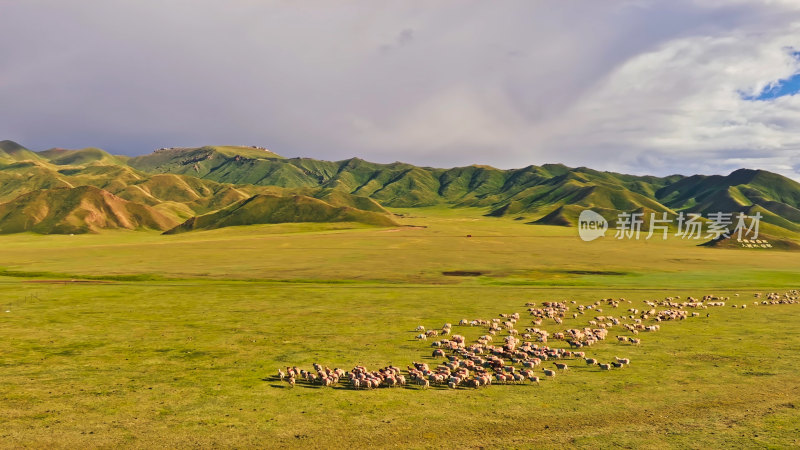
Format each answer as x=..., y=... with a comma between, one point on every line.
x=543, y=194
x=77, y=210
x=11, y=151
x=548, y=194
x=399, y=184
x=186, y=183
x=777, y=198
x=29, y=180
x=266, y=208
x=64, y=157
x=551, y=194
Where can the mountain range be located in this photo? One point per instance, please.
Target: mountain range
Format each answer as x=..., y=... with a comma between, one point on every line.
x=182, y=189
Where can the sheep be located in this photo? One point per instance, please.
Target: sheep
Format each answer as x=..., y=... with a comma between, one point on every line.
x=531, y=362
x=475, y=364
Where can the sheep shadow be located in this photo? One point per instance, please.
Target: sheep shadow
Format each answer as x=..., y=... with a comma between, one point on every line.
x=297, y=385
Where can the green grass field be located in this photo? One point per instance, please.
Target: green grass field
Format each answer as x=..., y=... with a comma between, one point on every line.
x=173, y=341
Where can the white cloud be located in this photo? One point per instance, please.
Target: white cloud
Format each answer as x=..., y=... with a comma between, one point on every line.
x=681, y=105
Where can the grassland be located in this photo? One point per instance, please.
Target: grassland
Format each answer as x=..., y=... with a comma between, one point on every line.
x=175, y=340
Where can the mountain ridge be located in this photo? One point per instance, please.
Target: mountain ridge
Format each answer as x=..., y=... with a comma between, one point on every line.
x=191, y=182
x=269, y=208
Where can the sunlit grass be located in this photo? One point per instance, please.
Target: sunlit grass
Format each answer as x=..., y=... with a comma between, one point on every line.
x=173, y=340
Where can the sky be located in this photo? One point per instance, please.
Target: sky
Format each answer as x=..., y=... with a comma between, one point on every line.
x=631, y=86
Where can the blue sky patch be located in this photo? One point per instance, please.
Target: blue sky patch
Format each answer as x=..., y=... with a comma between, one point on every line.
x=788, y=86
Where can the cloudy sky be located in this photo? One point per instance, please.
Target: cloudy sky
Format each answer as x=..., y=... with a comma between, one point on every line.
x=633, y=86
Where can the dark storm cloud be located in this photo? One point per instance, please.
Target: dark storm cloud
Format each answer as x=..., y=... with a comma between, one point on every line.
x=627, y=85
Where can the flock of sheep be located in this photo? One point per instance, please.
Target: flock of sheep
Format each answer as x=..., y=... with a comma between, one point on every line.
x=518, y=353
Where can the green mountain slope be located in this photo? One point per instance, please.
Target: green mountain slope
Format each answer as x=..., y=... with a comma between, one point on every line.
x=548, y=194
x=64, y=157
x=265, y=208
x=77, y=210
x=186, y=182
x=775, y=197
x=237, y=165
x=46, y=177
x=395, y=184
x=11, y=151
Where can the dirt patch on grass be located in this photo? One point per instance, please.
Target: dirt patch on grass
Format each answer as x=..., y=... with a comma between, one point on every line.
x=464, y=273
x=596, y=272
x=758, y=374
x=409, y=227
